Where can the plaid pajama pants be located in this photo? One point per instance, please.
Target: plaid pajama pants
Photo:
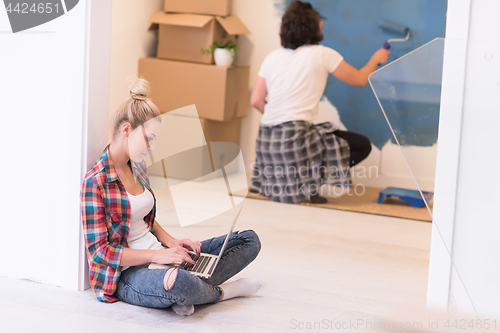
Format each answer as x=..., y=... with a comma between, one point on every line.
x=295, y=158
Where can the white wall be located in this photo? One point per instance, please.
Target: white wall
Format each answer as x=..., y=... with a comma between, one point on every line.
x=466, y=203
x=450, y=124
x=96, y=99
x=130, y=41
x=44, y=84
x=263, y=20
x=476, y=241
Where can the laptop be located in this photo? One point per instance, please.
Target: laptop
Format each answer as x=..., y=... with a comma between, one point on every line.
x=206, y=263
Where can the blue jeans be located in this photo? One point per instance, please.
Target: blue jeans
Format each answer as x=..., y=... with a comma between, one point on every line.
x=142, y=286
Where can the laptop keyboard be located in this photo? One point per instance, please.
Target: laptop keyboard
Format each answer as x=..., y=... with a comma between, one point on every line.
x=199, y=266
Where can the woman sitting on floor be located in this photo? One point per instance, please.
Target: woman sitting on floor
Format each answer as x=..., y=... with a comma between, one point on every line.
x=294, y=156
x=122, y=237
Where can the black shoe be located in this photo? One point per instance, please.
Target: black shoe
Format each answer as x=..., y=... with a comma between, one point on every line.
x=316, y=199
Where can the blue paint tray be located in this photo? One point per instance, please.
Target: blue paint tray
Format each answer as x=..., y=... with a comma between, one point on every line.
x=412, y=197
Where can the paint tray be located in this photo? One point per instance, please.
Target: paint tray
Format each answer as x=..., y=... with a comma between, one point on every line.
x=412, y=197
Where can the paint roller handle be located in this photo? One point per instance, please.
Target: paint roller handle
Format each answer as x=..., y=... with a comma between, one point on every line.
x=387, y=45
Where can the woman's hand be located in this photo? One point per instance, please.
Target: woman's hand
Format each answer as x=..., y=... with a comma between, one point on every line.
x=187, y=243
x=172, y=255
x=169, y=241
x=350, y=75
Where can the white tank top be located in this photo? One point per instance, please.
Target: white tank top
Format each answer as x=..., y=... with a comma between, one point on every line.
x=140, y=238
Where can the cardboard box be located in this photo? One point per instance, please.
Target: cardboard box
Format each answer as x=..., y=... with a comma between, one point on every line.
x=184, y=36
x=183, y=145
x=219, y=93
x=207, y=7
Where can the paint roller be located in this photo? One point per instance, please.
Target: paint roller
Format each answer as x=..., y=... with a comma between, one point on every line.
x=397, y=28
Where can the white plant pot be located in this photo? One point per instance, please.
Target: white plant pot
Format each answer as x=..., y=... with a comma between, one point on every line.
x=223, y=57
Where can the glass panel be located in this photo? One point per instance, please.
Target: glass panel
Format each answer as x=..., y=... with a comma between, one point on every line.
x=408, y=91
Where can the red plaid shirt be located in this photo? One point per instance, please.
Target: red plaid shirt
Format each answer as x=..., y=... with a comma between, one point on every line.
x=106, y=222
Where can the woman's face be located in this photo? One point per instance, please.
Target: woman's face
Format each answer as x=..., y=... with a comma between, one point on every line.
x=142, y=140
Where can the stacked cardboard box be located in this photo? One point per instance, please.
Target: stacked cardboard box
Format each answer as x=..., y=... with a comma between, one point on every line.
x=208, y=7
x=185, y=139
x=182, y=75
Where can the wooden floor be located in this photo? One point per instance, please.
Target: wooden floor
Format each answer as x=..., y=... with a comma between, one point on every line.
x=365, y=200
x=315, y=264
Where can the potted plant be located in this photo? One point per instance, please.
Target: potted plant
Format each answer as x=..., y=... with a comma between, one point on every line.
x=224, y=54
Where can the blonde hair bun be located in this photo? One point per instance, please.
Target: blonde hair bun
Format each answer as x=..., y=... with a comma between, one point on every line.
x=139, y=89
x=137, y=109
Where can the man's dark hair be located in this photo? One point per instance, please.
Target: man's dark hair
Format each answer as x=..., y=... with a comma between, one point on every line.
x=300, y=26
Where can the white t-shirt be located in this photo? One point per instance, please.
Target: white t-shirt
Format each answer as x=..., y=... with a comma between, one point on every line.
x=295, y=81
x=139, y=236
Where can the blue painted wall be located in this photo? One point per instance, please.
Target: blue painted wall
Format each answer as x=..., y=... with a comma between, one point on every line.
x=352, y=28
